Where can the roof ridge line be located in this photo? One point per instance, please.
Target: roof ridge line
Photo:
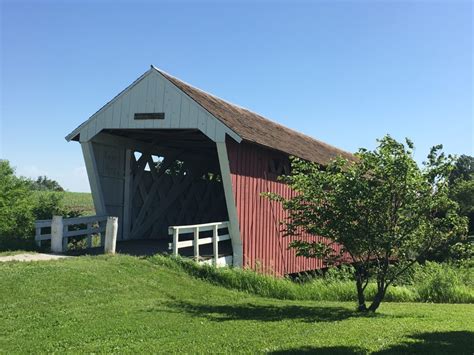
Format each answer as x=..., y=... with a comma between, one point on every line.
x=248, y=110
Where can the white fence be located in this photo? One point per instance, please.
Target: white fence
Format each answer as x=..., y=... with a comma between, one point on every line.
x=196, y=230
x=61, y=229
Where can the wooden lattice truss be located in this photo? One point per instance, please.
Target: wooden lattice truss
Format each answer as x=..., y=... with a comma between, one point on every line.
x=175, y=189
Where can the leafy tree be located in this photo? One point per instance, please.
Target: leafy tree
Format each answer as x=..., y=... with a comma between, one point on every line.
x=463, y=193
x=43, y=183
x=463, y=169
x=382, y=209
x=21, y=205
x=16, y=215
x=462, y=183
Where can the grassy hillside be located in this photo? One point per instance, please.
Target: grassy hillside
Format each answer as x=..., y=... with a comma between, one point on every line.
x=81, y=201
x=127, y=304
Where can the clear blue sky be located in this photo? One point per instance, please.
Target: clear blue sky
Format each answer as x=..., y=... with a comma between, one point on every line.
x=343, y=72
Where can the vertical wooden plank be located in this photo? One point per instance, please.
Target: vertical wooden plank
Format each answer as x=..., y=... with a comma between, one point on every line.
x=150, y=99
x=211, y=127
x=132, y=107
x=259, y=218
x=175, y=241
x=89, y=235
x=108, y=117
x=57, y=234
x=100, y=122
x=125, y=111
x=172, y=105
x=193, y=115
x=184, y=113
x=91, y=129
x=65, y=239
x=215, y=244
x=94, y=179
x=117, y=108
x=138, y=102
x=196, y=243
x=127, y=195
x=103, y=226
x=160, y=99
x=111, y=230
x=234, y=230
x=202, y=120
x=37, y=235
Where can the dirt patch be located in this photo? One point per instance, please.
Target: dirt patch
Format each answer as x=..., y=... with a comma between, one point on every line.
x=32, y=257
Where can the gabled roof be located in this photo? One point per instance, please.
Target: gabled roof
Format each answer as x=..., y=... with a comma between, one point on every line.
x=257, y=129
x=240, y=122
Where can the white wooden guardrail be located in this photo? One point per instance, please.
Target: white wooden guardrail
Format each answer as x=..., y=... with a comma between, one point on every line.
x=61, y=231
x=196, y=229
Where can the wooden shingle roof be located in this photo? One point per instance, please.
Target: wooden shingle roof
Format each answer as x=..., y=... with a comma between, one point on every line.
x=257, y=129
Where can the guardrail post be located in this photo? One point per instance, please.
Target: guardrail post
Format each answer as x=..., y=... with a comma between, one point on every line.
x=215, y=245
x=175, y=241
x=89, y=235
x=57, y=229
x=38, y=233
x=111, y=229
x=196, y=243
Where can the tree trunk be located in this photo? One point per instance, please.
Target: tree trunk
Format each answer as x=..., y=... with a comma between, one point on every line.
x=361, y=307
x=378, y=298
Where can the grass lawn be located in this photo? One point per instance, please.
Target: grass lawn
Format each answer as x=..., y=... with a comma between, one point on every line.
x=127, y=304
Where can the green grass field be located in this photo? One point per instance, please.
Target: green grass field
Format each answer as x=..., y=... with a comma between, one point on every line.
x=81, y=201
x=127, y=304
x=77, y=201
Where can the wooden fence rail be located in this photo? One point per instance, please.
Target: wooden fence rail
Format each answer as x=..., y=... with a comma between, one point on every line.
x=196, y=229
x=61, y=229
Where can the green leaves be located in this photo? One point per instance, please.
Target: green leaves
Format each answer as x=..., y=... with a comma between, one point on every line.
x=16, y=216
x=382, y=208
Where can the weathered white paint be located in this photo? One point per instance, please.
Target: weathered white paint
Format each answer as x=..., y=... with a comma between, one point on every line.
x=110, y=162
x=221, y=262
x=175, y=245
x=127, y=196
x=196, y=229
x=94, y=180
x=234, y=229
x=111, y=230
x=215, y=244
x=93, y=225
x=57, y=234
x=196, y=243
x=107, y=156
x=152, y=93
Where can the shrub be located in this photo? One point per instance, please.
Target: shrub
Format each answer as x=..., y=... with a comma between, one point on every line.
x=16, y=214
x=443, y=283
x=21, y=205
x=48, y=204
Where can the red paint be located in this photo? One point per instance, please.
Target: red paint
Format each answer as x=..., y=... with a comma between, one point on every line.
x=264, y=247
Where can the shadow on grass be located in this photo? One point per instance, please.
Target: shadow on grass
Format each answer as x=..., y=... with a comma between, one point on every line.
x=267, y=313
x=455, y=342
x=322, y=351
x=13, y=244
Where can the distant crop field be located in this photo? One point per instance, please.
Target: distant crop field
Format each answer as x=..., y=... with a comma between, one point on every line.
x=78, y=201
x=81, y=201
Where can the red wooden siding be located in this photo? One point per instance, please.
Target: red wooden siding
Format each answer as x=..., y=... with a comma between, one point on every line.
x=264, y=248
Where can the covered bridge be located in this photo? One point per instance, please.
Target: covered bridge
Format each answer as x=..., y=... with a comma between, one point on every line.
x=171, y=160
